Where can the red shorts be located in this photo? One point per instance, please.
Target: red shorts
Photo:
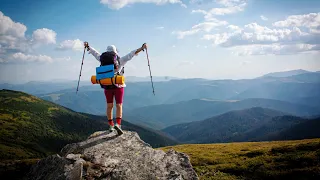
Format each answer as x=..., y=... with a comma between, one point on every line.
x=116, y=93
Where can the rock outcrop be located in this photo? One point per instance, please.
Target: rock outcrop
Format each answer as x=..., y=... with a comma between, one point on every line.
x=109, y=156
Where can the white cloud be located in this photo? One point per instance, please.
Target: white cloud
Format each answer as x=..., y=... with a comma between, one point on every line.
x=295, y=34
x=204, y=26
x=230, y=7
x=275, y=49
x=209, y=25
x=12, y=34
x=234, y=27
x=264, y=18
x=44, y=36
x=160, y=27
x=315, y=30
x=173, y=46
x=254, y=39
x=217, y=38
x=256, y=34
x=311, y=20
x=230, y=3
x=21, y=57
x=8, y=27
x=118, y=4
x=226, y=10
x=75, y=45
x=13, y=39
x=28, y=58
x=182, y=34
x=199, y=11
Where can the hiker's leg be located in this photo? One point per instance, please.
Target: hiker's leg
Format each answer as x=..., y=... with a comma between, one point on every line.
x=109, y=110
x=119, y=93
x=109, y=97
x=119, y=113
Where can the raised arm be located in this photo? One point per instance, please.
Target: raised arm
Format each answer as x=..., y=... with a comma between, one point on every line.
x=128, y=57
x=92, y=51
x=124, y=59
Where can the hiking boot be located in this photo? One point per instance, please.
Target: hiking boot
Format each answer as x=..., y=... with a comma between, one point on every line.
x=111, y=128
x=118, y=129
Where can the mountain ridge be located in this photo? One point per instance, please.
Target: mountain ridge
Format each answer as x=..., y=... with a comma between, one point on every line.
x=200, y=109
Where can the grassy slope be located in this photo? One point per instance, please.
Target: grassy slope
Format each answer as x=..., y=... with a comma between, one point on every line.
x=299, y=159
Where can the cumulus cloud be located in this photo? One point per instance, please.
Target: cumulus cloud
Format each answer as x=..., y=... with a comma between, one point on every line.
x=118, y=4
x=296, y=34
x=209, y=25
x=264, y=18
x=12, y=34
x=256, y=34
x=311, y=20
x=226, y=10
x=13, y=39
x=220, y=11
x=234, y=28
x=44, y=36
x=75, y=45
x=9, y=27
x=204, y=27
x=230, y=3
x=230, y=7
x=199, y=11
x=21, y=57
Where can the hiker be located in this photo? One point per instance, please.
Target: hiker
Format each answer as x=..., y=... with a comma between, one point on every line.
x=117, y=90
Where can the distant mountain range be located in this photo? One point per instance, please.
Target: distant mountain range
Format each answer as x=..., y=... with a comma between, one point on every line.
x=164, y=115
x=147, y=78
x=33, y=128
x=252, y=124
x=185, y=100
x=299, y=89
x=39, y=87
x=286, y=73
x=296, y=92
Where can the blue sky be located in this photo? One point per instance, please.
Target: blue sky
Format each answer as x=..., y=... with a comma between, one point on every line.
x=216, y=39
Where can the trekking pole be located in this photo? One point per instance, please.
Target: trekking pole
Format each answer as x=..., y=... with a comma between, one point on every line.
x=149, y=69
x=84, y=51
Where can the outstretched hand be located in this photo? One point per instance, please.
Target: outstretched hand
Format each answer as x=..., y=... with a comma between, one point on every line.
x=86, y=45
x=144, y=46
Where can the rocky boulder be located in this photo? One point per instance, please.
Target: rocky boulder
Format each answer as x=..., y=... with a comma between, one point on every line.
x=109, y=156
